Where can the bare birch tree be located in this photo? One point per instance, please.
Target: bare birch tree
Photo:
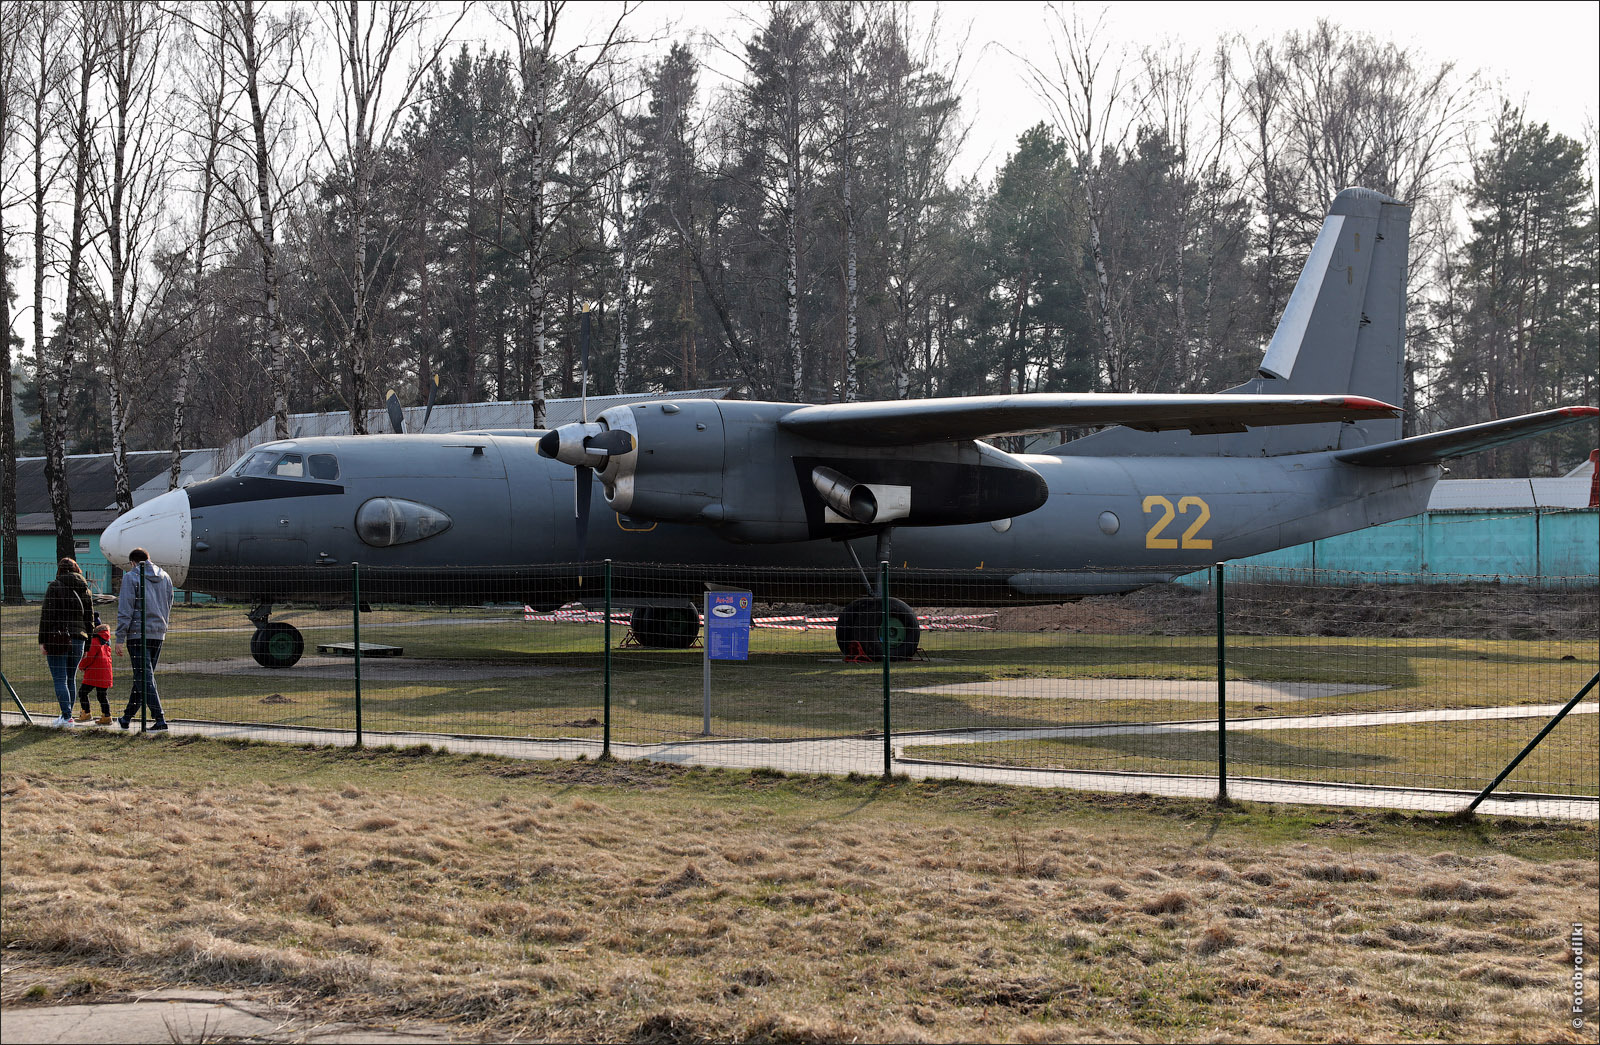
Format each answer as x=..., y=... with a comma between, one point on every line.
x=918, y=132
x=370, y=42
x=14, y=32
x=1084, y=99
x=206, y=85
x=846, y=45
x=64, y=48
x=548, y=129
x=263, y=49
x=128, y=189
x=627, y=190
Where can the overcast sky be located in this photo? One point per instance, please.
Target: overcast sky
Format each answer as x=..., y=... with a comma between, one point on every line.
x=1547, y=54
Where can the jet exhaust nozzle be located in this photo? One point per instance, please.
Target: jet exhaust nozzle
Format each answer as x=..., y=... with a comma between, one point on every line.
x=844, y=495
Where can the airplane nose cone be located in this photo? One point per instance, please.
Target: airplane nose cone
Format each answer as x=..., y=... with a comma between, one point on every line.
x=160, y=526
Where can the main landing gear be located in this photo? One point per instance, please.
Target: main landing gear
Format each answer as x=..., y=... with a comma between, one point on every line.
x=275, y=644
x=860, y=631
x=665, y=627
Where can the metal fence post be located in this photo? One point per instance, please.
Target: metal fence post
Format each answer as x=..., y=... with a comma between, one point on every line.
x=142, y=678
x=355, y=615
x=883, y=594
x=1525, y=752
x=26, y=717
x=605, y=734
x=1222, y=694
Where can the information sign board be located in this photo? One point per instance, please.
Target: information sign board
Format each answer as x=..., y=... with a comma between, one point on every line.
x=728, y=625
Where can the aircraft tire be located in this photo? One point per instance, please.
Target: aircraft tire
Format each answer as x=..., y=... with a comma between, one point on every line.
x=665, y=627
x=277, y=645
x=860, y=630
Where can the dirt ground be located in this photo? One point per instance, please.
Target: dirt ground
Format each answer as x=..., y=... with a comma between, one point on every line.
x=1487, y=611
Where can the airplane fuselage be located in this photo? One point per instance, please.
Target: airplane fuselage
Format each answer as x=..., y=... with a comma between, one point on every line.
x=470, y=517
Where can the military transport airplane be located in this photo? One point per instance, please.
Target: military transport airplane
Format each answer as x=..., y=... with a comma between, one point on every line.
x=1308, y=449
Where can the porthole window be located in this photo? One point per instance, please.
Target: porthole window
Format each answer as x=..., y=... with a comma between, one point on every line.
x=386, y=521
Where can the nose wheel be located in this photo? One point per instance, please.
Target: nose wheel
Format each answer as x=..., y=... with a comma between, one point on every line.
x=277, y=645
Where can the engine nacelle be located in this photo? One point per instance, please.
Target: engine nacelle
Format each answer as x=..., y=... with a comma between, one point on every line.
x=728, y=465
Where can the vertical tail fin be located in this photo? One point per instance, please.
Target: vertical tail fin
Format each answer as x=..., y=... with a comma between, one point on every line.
x=1342, y=331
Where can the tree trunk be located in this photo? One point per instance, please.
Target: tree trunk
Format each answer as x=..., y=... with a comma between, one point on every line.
x=791, y=299
x=1114, y=375
x=277, y=349
x=11, y=567
x=536, y=100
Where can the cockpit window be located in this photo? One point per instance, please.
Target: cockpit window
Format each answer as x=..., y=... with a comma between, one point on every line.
x=386, y=521
x=323, y=466
x=256, y=463
x=289, y=466
x=286, y=466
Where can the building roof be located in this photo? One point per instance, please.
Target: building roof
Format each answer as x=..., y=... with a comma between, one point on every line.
x=94, y=484
x=1510, y=493
x=456, y=417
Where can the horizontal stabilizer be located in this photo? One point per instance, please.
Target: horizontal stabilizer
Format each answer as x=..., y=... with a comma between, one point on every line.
x=909, y=422
x=1458, y=442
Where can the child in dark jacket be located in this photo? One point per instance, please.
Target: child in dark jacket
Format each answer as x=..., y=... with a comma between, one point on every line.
x=96, y=668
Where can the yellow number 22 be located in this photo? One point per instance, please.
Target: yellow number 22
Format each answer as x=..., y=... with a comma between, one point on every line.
x=1152, y=539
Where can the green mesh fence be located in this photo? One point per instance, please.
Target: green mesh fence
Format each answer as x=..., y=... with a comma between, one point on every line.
x=1350, y=680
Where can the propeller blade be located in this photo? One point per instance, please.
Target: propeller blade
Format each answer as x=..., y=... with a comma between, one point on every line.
x=433, y=391
x=611, y=441
x=581, y=492
x=583, y=354
x=397, y=417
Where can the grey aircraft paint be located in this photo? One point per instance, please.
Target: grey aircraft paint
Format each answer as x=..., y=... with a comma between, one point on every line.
x=1306, y=450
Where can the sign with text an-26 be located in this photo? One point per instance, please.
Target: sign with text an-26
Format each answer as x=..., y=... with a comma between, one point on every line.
x=728, y=625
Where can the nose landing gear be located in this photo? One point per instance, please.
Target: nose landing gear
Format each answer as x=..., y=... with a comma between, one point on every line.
x=275, y=644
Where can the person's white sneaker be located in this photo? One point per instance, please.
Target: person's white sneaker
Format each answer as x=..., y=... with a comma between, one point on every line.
x=63, y=723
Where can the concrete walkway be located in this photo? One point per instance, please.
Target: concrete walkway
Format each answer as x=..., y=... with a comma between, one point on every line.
x=1200, y=691
x=864, y=755
x=162, y=1017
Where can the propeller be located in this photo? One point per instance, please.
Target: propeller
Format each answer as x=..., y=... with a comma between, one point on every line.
x=587, y=447
x=397, y=417
x=433, y=392
x=583, y=485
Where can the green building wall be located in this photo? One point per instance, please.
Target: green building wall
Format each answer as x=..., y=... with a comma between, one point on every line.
x=36, y=553
x=1548, y=547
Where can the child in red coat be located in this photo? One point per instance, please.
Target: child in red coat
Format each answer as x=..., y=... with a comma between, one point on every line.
x=96, y=668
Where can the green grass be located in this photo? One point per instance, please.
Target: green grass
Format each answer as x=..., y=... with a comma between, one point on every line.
x=117, y=762
x=546, y=680
x=643, y=902
x=1457, y=755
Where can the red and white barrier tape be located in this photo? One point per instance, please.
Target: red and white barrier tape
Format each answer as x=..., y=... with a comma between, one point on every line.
x=799, y=622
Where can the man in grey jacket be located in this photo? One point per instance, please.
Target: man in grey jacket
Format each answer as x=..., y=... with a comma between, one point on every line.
x=143, y=636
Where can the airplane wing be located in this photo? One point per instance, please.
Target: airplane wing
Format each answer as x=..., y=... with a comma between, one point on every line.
x=1458, y=442
x=908, y=422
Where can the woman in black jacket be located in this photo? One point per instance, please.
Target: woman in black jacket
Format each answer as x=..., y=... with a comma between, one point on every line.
x=64, y=626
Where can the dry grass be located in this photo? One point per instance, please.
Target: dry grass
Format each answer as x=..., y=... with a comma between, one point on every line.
x=639, y=903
